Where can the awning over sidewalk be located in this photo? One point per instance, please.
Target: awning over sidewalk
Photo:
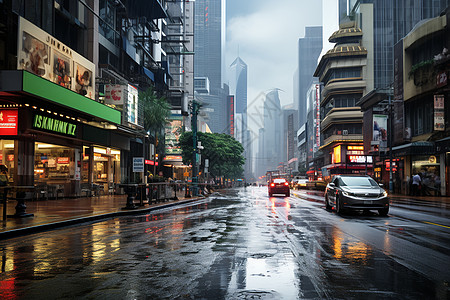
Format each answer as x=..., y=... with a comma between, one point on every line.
x=25, y=83
x=415, y=148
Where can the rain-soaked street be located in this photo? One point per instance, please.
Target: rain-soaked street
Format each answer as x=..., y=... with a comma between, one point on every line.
x=237, y=244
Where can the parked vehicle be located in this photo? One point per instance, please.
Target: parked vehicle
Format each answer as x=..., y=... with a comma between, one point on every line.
x=279, y=186
x=356, y=192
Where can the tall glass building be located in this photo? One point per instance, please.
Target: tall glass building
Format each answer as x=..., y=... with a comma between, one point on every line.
x=309, y=49
x=392, y=20
x=208, y=42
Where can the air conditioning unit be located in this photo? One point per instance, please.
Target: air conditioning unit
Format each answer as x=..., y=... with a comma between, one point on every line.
x=345, y=132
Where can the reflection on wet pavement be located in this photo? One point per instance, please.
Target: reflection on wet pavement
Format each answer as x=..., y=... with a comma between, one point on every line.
x=239, y=244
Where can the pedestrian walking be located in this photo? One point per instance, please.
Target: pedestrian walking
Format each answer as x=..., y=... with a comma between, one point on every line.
x=416, y=180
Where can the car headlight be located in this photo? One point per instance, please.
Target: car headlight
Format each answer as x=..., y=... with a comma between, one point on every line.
x=347, y=193
x=383, y=194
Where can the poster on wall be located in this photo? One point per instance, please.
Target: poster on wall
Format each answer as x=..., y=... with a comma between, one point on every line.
x=61, y=70
x=132, y=104
x=439, y=114
x=83, y=81
x=173, y=132
x=43, y=55
x=379, y=128
x=114, y=94
x=34, y=56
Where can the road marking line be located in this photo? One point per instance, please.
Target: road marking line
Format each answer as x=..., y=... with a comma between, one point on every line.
x=436, y=224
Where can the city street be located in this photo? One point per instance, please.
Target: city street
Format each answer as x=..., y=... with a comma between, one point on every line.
x=238, y=244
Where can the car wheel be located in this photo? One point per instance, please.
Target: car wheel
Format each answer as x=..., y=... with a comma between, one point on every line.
x=384, y=211
x=327, y=204
x=339, y=209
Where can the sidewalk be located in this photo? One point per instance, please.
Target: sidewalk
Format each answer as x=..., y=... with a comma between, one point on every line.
x=49, y=214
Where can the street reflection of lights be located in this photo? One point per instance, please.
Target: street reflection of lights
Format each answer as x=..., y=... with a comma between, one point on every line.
x=337, y=243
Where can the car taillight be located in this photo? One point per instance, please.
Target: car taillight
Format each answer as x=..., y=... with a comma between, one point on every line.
x=272, y=184
x=286, y=183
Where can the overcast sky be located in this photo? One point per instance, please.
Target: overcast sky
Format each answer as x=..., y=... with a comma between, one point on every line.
x=266, y=33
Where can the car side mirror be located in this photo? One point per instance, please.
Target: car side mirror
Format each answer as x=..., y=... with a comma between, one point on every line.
x=332, y=184
x=380, y=184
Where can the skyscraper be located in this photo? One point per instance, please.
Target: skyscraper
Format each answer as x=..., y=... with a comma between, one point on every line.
x=309, y=49
x=208, y=59
x=208, y=41
x=238, y=88
x=272, y=150
x=238, y=84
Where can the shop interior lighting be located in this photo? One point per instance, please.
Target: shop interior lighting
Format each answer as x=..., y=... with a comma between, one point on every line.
x=99, y=150
x=8, y=146
x=115, y=152
x=41, y=146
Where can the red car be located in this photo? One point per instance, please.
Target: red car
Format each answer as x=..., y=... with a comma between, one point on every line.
x=279, y=186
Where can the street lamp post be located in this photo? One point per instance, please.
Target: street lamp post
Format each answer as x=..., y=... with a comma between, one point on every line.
x=391, y=181
x=195, y=108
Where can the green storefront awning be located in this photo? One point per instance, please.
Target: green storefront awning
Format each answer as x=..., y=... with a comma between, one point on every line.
x=23, y=81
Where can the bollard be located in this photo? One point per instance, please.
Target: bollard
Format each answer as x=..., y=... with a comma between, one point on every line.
x=188, y=192
x=21, y=207
x=130, y=190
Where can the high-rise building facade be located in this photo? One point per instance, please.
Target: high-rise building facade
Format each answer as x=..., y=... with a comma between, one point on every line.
x=271, y=153
x=209, y=57
x=309, y=49
x=238, y=88
x=342, y=70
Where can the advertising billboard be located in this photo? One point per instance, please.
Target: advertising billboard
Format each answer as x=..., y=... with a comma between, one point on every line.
x=8, y=121
x=43, y=55
x=439, y=114
x=115, y=94
x=173, y=132
x=132, y=104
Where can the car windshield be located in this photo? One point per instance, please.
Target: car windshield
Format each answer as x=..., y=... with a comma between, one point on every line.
x=358, y=181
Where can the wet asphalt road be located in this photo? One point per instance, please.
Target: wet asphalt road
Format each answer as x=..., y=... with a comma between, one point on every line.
x=240, y=244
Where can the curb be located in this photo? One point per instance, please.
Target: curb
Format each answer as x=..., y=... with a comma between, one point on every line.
x=94, y=218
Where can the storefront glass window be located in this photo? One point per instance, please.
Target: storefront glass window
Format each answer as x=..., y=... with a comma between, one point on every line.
x=53, y=164
x=427, y=166
x=7, y=156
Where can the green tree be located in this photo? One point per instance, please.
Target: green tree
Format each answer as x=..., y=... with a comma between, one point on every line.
x=156, y=113
x=223, y=152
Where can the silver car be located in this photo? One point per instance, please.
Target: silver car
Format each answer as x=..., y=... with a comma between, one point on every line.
x=356, y=192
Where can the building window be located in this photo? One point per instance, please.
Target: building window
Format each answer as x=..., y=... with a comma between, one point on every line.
x=342, y=129
x=342, y=73
x=419, y=117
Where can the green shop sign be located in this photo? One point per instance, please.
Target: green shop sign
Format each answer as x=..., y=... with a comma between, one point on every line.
x=55, y=125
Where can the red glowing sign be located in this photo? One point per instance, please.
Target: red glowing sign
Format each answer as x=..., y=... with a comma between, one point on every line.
x=62, y=160
x=150, y=162
x=8, y=122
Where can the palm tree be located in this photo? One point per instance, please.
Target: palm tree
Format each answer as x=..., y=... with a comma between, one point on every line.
x=156, y=112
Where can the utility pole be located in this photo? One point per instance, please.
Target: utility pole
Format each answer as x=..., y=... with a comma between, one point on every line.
x=195, y=108
x=391, y=181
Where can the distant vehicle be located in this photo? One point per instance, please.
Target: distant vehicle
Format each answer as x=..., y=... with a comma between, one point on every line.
x=356, y=192
x=299, y=183
x=316, y=185
x=279, y=186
